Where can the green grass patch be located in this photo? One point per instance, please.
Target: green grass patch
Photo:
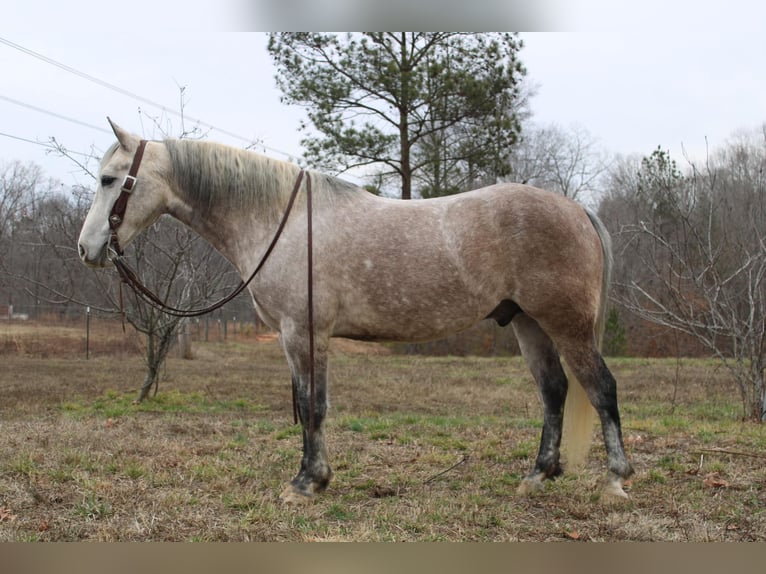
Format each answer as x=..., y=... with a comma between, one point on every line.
x=134, y=470
x=22, y=464
x=339, y=512
x=670, y=463
x=524, y=450
x=240, y=502
x=655, y=476
x=509, y=381
x=288, y=432
x=93, y=508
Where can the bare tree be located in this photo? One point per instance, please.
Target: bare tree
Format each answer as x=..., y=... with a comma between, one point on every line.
x=18, y=186
x=31, y=211
x=698, y=245
x=185, y=272
x=566, y=160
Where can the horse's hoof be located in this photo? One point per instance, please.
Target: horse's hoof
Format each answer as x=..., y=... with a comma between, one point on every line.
x=291, y=496
x=614, y=493
x=530, y=485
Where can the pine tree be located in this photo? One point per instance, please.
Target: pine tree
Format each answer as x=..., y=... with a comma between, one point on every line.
x=413, y=104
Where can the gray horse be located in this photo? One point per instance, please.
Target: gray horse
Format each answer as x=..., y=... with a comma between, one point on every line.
x=390, y=270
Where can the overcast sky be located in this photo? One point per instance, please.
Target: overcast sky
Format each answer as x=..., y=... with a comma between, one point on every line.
x=633, y=77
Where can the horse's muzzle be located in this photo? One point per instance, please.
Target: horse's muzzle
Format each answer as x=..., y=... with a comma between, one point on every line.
x=100, y=259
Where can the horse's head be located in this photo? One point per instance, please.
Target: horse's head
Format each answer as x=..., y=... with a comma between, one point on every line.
x=148, y=197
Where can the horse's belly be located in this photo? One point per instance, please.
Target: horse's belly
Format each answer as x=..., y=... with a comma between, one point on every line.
x=406, y=320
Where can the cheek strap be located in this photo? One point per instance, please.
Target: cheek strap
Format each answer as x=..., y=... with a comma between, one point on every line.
x=117, y=215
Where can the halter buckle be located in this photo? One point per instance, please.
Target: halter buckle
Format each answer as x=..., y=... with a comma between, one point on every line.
x=128, y=183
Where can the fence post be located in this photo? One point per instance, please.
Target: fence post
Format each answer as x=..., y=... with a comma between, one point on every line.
x=185, y=340
x=87, y=333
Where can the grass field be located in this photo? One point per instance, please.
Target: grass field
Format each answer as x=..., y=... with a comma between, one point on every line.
x=422, y=448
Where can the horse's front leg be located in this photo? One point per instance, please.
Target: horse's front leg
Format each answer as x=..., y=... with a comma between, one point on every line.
x=315, y=473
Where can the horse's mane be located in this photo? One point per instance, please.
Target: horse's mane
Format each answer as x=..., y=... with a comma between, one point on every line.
x=216, y=174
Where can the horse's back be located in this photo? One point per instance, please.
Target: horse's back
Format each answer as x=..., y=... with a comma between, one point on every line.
x=532, y=233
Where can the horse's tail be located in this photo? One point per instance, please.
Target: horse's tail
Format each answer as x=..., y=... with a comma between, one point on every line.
x=579, y=414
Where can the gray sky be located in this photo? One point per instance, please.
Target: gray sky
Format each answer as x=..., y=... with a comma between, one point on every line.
x=633, y=76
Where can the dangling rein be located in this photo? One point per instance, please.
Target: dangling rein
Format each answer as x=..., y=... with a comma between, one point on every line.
x=130, y=278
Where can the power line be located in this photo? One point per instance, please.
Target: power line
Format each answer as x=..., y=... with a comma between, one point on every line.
x=100, y=82
x=129, y=94
x=48, y=146
x=21, y=139
x=52, y=114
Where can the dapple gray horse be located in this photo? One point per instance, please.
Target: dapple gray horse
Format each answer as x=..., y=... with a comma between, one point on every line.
x=391, y=270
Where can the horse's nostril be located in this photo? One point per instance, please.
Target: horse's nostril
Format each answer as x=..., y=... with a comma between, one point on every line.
x=81, y=251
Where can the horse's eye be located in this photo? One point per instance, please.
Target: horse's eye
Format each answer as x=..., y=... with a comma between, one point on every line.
x=107, y=180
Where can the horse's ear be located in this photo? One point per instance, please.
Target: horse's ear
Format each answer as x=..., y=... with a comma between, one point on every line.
x=127, y=140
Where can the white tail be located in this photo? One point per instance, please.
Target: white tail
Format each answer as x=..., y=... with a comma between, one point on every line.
x=579, y=414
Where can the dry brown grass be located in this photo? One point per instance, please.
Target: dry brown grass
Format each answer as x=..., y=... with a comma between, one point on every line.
x=206, y=459
x=46, y=339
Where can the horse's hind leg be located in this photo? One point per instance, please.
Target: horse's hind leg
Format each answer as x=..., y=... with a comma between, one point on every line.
x=543, y=360
x=315, y=473
x=587, y=364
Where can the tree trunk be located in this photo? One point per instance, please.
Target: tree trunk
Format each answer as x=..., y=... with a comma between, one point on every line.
x=759, y=391
x=157, y=347
x=150, y=378
x=406, y=169
x=404, y=122
x=185, y=340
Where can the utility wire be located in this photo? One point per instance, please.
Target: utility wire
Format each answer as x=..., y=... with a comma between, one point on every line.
x=111, y=86
x=126, y=93
x=48, y=146
x=21, y=139
x=53, y=114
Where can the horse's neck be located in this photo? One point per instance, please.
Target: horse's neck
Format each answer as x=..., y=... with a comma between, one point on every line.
x=236, y=234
